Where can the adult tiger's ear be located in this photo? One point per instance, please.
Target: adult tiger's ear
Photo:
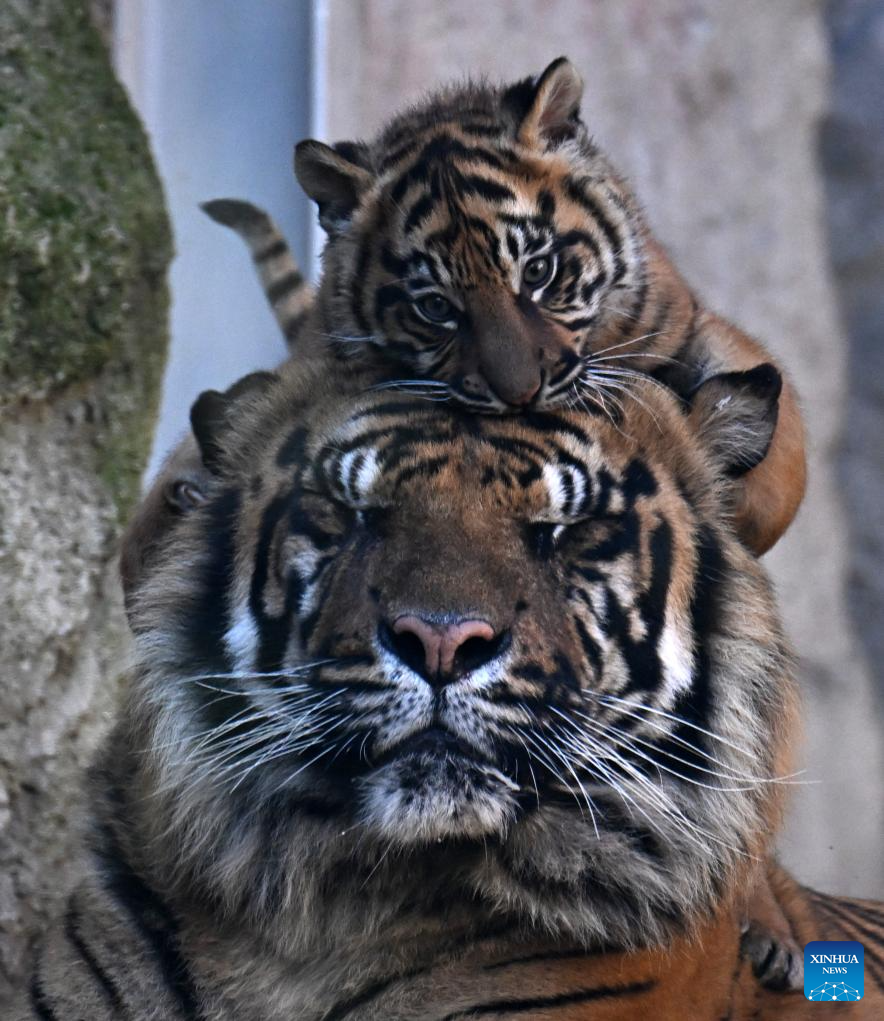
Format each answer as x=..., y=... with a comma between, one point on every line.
x=735, y=416
x=335, y=177
x=181, y=486
x=547, y=109
x=212, y=415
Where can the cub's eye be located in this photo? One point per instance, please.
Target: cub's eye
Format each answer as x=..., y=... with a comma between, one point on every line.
x=543, y=537
x=435, y=308
x=538, y=271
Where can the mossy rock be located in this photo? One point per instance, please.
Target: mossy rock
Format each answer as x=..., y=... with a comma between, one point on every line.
x=84, y=237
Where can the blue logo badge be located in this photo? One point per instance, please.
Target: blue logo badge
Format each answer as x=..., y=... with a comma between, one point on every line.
x=833, y=970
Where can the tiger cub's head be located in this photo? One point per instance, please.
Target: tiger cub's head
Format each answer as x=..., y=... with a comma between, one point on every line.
x=526, y=655
x=479, y=240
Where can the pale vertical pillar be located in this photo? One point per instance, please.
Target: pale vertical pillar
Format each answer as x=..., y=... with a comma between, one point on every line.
x=224, y=89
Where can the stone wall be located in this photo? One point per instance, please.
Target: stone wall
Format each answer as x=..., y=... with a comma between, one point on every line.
x=713, y=109
x=84, y=245
x=852, y=152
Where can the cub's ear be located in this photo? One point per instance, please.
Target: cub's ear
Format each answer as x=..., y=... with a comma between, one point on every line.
x=735, y=415
x=335, y=178
x=547, y=109
x=212, y=415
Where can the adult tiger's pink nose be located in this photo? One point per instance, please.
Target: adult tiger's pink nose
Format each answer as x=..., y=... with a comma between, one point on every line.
x=449, y=649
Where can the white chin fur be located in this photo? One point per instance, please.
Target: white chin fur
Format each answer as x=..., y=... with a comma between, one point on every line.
x=422, y=797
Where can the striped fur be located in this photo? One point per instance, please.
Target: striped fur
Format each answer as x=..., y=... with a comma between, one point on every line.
x=771, y=492
x=456, y=199
x=453, y=203
x=86, y=971
x=292, y=820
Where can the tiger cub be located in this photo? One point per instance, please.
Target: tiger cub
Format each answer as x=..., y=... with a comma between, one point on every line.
x=481, y=245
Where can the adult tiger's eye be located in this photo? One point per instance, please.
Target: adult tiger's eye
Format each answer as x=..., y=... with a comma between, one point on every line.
x=436, y=308
x=537, y=271
x=544, y=536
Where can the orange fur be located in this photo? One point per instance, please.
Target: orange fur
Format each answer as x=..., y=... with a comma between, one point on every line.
x=770, y=493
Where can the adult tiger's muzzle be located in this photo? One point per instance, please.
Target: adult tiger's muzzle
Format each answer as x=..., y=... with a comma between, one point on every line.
x=442, y=649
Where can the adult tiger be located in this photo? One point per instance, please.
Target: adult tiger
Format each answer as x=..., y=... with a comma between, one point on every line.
x=446, y=716
x=483, y=245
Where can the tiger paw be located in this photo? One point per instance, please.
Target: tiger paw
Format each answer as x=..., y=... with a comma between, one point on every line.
x=777, y=960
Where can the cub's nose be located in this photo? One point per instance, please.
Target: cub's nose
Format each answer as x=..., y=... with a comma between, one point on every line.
x=520, y=397
x=443, y=651
x=525, y=396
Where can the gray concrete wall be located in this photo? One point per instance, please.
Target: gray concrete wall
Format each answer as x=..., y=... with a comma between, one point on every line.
x=713, y=109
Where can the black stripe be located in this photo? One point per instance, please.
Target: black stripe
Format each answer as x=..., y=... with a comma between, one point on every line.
x=552, y=1002
x=395, y=264
x=574, y=237
x=865, y=909
x=423, y=469
x=587, y=642
x=831, y=906
x=374, y=990
x=277, y=247
x=39, y=1002
x=282, y=287
x=491, y=191
x=418, y=213
x=578, y=194
x=642, y=656
x=481, y=129
x=546, y=205
x=579, y=324
x=387, y=295
x=273, y=632
x=155, y=923
x=572, y=954
x=873, y=955
x=544, y=421
x=441, y=150
x=871, y=959
x=208, y=618
x=513, y=246
x=358, y=282
x=292, y=451
x=75, y=938
x=397, y=155
x=370, y=992
x=695, y=705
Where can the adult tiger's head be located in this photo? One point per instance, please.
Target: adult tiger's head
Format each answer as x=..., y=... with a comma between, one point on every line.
x=525, y=654
x=479, y=240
